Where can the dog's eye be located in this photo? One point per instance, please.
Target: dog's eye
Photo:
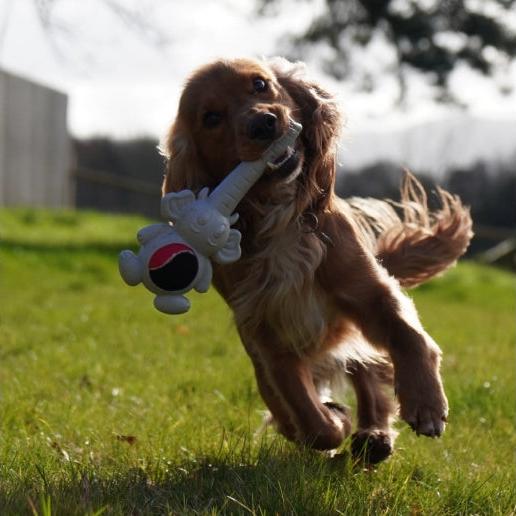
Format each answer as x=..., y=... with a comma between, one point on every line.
x=211, y=119
x=259, y=84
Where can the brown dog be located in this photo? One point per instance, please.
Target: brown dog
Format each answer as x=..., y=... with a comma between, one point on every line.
x=316, y=295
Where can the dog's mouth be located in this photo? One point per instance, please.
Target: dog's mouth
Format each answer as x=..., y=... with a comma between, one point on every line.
x=286, y=165
x=282, y=160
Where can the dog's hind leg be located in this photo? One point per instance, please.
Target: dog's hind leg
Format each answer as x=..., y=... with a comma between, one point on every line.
x=374, y=438
x=286, y=384
x=371, y=376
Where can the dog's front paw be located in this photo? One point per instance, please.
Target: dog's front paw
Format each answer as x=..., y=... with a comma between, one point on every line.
x=423, y=404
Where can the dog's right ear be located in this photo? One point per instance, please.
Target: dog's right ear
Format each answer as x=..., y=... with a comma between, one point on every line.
x=183, y=170
x=320, y=116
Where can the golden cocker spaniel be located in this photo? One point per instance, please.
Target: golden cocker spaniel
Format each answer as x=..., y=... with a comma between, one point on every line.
x=317, y=293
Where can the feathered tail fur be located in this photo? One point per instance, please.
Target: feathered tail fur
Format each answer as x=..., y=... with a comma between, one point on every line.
x=413, y=243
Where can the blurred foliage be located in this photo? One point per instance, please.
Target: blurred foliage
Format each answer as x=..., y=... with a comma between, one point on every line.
x=489, y=188
x=61, y=32
x=138, y=157
x=127, y=175
x=431, y=37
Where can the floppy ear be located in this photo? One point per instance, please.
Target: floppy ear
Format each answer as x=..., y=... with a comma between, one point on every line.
x=183, y=170
x=321, y=121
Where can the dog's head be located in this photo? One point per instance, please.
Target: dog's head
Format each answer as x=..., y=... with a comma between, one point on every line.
x=230, y=111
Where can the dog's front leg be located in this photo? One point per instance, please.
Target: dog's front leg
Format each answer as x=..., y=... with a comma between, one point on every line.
x=365, y=293
x=286, y=385
x=389, y=320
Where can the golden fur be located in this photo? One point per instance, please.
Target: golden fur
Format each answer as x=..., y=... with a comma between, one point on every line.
x=316, y=295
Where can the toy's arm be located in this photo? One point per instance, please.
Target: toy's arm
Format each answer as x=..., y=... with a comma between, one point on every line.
x=231, y=251
x=147, y=233
x=130, y=268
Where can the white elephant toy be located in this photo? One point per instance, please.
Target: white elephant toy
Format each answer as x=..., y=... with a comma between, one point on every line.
x=173, y=259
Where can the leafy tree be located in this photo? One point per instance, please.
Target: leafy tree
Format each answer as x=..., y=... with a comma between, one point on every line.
x=429, y=36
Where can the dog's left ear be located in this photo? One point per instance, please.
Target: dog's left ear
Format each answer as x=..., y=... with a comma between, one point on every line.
x=183, y=170
x=321, y=121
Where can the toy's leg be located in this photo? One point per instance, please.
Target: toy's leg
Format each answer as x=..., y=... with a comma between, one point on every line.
x=286, y=385
x=373, y=440
x=204, y=281
x=170, y=304
x=130, y=268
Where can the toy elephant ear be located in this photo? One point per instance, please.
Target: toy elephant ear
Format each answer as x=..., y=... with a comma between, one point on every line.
x=231, y=251
x=172, y=204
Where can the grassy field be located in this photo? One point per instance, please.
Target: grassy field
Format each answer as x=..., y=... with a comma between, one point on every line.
x=109, y=407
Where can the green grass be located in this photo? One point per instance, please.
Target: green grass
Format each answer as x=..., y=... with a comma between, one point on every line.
x=109, y=407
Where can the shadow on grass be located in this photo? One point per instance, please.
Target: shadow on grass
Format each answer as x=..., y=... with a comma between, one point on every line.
x=280, y=480
x=272, y=485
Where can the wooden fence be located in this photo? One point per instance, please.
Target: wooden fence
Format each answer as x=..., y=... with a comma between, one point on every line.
x=34, y=144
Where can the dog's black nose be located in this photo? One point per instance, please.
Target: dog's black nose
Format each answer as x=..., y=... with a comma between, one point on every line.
x=262, y=126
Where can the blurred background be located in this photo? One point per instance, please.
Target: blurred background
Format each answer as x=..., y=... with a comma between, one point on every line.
x=88, y=88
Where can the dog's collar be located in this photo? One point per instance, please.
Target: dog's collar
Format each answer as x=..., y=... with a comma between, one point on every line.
x=310, y=224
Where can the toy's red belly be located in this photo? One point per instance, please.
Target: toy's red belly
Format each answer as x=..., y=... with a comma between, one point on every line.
x=173, y=267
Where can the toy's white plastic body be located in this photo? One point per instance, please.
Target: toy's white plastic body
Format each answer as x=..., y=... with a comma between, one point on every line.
x=173, y=259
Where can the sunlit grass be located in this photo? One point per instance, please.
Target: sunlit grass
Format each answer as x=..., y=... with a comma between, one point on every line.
x=108, y=405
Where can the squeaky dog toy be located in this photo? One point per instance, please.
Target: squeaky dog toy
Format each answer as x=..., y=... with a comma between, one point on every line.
x=173, y=259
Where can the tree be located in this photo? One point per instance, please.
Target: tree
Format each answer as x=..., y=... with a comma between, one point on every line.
x=134, y=15
x=430, y=36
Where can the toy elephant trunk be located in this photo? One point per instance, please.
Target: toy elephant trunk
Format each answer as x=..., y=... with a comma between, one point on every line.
x=226, y=196
x=173, y=259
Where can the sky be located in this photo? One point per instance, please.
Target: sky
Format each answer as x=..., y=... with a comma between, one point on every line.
x=124, y=77
x=119, y=81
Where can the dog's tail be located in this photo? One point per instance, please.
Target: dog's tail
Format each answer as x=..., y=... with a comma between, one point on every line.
x=413, y=243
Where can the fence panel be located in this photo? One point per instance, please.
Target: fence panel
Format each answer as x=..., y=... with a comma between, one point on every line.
x=34, y=144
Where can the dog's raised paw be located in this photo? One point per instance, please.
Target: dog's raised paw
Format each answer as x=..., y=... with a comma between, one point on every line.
x=423, y=403
x=428, y=422
x=425, y=419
